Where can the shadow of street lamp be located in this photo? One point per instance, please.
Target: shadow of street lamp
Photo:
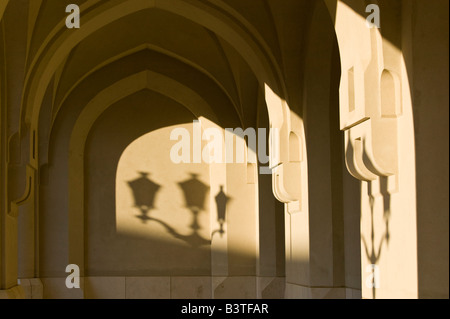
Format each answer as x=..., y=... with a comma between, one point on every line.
x=221, y=202
x=144, y=193
x=194, y=192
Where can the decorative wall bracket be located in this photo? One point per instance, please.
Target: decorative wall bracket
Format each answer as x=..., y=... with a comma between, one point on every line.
x=285, y=152
x=370, y=99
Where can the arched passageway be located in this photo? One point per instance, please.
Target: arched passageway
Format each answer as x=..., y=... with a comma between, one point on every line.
x=91, y=116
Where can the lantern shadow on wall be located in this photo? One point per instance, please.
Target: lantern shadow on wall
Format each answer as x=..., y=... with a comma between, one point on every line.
x=195, y=193
x=144, y=193
x=221, y=202
x=373, y=251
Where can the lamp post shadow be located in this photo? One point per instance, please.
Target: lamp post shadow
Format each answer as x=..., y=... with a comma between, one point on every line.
x=195, y=193
x=221, y=202
x=144, y=192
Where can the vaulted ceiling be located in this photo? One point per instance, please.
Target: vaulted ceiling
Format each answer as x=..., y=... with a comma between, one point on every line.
x=222, y=49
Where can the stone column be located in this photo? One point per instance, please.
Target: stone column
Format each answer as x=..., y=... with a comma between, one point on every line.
x=376, y=116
